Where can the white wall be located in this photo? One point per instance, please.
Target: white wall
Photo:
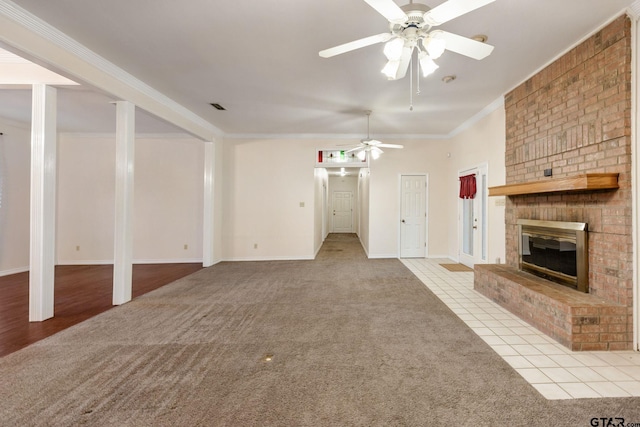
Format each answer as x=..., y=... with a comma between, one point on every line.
x=15, y=158
x=364, y=213
x=269, y=199
x=484, y=142
x=168, y=205
x=86, y=200
x=321, y=183
x=168, y=196
x=418, y=157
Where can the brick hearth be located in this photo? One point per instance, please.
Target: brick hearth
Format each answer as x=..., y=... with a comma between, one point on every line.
x=575, y=319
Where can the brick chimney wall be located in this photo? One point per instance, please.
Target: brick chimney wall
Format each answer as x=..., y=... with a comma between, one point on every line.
x=574, y=117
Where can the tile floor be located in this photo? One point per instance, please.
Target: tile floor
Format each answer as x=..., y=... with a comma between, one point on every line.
x=555, y=371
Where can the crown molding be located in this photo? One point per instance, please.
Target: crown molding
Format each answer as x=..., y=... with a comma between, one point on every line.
x=634, y=10
x=112, y=135
x=47, y=45
x=326, y=136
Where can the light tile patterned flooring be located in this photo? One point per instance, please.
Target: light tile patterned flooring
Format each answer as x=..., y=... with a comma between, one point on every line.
x=555, y=371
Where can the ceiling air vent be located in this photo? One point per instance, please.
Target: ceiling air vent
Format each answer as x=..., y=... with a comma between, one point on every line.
x=218, y=106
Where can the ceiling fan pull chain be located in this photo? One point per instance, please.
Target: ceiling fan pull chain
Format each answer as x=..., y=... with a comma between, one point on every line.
x=411, y=85
x=418, y=77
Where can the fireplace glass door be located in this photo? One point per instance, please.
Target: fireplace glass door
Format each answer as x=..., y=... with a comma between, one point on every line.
x=555, y=250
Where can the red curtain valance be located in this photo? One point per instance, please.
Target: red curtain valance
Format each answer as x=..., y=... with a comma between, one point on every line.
x=468, y=186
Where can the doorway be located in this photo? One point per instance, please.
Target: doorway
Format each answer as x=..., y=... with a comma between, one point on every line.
x=413, y=216
x=472, y=220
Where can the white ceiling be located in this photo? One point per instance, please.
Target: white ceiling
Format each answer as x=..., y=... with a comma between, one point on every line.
x=259, y=59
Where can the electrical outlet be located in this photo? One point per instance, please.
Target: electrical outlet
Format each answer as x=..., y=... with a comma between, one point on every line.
x=186, y=246
x=77, y=248
x=255, y=246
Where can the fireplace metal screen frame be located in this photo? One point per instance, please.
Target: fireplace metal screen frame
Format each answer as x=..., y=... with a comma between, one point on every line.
x=582, y=246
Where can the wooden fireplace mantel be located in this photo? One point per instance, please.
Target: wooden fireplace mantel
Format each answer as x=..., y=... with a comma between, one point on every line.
x=586, y=182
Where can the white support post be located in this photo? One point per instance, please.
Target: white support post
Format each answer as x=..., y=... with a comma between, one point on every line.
x=43, y=203
x=123, y=239
x=208, y=249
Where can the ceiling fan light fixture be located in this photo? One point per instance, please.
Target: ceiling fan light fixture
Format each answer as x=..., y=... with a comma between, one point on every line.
x=361, y=154
x=427, y=65
x=393, y=49
x=375, y=152
x=435, y=46
x=391, y=69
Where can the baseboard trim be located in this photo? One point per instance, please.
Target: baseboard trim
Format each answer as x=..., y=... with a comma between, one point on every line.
x=280, y=258
x=84, y=262
x=13, y=271
x=383, y=256
x=168, y=261
x=443, y=257
x=135, y=261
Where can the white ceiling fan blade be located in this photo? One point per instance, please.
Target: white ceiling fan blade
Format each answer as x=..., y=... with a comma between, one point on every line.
x=404, y=62
x=356, y=44
x=452, y=9
x=390, y=145
x=463, y=45
x=355, y=149
x=389, y=10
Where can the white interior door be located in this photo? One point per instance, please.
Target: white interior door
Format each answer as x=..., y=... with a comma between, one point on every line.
x=342, y=212
x=473, y=221
x=413, y=212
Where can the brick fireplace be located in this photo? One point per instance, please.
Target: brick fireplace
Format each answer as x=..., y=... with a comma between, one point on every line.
x=574, y=118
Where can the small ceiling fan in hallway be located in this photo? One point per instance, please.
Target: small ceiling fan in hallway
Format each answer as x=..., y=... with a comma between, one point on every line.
x=372, y=146
x=411, y=28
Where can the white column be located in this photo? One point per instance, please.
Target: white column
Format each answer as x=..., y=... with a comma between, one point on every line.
x=208, y=249
x=43, y=203
x=123, y=241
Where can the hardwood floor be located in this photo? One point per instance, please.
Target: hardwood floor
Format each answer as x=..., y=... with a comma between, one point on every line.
x=81, y=292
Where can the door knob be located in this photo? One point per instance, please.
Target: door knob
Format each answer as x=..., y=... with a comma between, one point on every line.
x=403, y=221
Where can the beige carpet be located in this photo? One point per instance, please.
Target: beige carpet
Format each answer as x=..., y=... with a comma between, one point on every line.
x=355, y=342
x=456, y=267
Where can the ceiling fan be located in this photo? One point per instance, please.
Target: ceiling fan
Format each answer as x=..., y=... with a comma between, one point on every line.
x=411, y=28
x=369, y=145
